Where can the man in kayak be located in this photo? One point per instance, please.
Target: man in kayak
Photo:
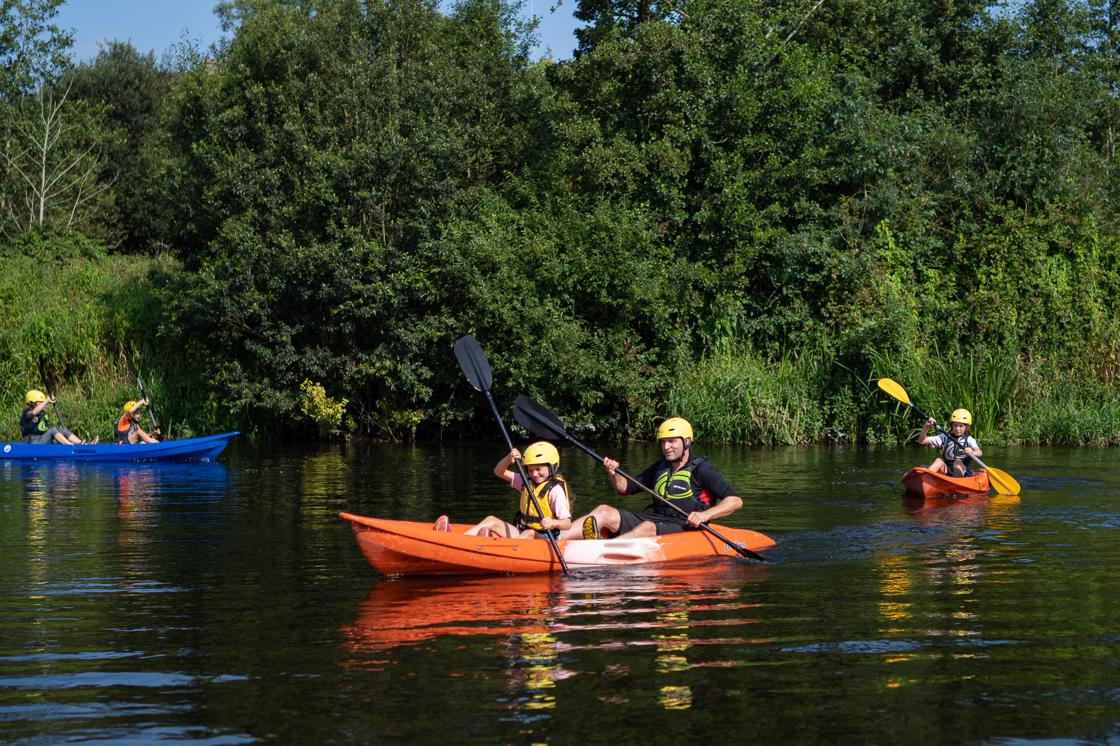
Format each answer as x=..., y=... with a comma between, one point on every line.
x=957, y=447
x=542, y=463
x=127, y=429
x=34, y=426
x=689, y=482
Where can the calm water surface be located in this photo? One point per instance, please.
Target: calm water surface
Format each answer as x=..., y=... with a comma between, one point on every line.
x=226, y=603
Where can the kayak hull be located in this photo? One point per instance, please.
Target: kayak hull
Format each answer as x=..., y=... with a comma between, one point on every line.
x=921, y=483
x=188, y=449
x=412, y=548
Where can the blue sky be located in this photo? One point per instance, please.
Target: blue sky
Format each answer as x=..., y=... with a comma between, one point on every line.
x=155, y=25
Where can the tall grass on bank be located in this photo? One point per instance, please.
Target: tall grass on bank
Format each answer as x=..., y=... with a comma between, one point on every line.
x=984, y=382
x=1064, y=407
x=737, y=396
x=65, y=328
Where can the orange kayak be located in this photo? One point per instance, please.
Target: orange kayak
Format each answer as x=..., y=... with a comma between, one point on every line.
x=412, y=548
x=921, y=483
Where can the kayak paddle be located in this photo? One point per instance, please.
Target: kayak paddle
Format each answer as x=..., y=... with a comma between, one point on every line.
x=540, y=421
x=61, y=424
x=477, y=370
x=151, y=411
x=58, y=414
x=1004, y=483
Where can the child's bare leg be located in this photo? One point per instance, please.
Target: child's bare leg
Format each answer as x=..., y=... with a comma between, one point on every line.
x=494, y=524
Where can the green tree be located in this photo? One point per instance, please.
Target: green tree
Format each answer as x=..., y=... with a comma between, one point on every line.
x=313, y=163
x=131, y=87
x=32, y=47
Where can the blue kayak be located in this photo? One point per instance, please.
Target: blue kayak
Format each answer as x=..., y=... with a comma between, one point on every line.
x=187, y=449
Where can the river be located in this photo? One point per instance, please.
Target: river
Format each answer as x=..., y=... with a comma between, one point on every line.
x=227, y=603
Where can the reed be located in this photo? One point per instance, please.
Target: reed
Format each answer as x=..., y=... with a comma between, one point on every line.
x=737, y=396
x=1060, y=406
x=984, y=382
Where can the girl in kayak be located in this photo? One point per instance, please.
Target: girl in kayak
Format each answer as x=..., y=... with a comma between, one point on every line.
x=957, y=446
x=542, y=463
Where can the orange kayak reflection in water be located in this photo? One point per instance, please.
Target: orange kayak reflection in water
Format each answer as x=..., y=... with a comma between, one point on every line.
x=541, y=623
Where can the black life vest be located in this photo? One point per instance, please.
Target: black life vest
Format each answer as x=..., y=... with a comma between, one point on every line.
x=32, y=425
x=952, y=448
x=676, y=486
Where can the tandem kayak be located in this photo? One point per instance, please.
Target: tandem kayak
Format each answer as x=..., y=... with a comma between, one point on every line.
x=412, y=548
x=187, y=449
x=921, y=483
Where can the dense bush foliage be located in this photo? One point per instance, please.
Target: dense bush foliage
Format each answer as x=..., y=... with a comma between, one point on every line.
x=739, y=212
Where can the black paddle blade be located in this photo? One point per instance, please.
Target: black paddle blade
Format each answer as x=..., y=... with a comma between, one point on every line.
x=538, y=420
x=474, y=364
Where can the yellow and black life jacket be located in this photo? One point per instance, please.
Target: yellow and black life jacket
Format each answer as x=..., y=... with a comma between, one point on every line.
x=527, y=516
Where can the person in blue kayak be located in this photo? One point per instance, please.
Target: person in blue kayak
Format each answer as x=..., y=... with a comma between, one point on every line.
x=689, y=482
x=542, y=463
x=957, y=446
x=34, y=426
x=127, y=429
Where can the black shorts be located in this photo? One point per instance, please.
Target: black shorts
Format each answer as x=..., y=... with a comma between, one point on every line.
x=628, y=520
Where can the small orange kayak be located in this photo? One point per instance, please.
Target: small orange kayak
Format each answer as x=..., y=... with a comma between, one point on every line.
x=921, y=483
x=412, y=548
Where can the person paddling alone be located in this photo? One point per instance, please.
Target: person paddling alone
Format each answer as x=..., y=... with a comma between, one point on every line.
x=542, y=463
x=689, y=482
x=127, y=429
x=957, y=446
x=35, y=427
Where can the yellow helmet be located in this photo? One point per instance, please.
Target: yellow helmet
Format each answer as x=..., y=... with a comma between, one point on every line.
x=539, y=453
x=674, y=427
x=128, y=405
x=962, y=416
x=34, y=396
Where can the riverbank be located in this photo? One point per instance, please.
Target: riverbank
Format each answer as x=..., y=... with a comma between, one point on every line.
x=99, y=320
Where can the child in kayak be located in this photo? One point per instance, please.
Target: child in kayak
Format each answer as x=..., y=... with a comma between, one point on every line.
x=957, y=446
x=33, y=423
x=542, y=463
x=127, y=429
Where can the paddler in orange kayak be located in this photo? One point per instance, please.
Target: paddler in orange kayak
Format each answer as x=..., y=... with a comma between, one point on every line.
x=957, y=446
x=689, y=482
x=542, y=463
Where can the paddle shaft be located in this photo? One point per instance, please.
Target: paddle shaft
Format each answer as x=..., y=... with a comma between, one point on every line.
x=740, y=549
x=525, y=483
x=151, y=410
x=925, y=418
x=58, y=414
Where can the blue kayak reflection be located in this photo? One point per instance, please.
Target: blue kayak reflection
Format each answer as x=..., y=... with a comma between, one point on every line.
x=130, y=481
x=665, y=624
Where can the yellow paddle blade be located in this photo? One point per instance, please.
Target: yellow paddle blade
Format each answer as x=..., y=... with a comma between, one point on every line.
x=1004, y=483
x=894, y=390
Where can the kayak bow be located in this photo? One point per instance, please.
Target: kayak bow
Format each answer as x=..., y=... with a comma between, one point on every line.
x=921, y=483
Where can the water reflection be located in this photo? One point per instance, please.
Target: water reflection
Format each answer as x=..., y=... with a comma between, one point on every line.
x=970, y=539
x=544, y=627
